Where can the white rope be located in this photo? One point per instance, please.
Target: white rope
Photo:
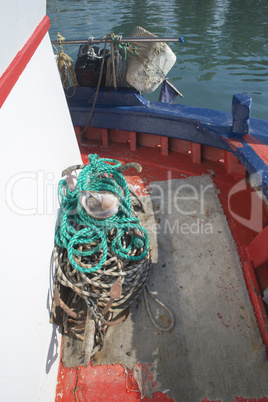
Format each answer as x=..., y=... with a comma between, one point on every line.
x=165, y=329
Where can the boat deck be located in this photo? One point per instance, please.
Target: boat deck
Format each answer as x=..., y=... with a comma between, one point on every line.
x=214, y=351
x=215, y=348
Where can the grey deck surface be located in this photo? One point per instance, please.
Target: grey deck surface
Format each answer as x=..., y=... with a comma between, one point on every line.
x=214, y=350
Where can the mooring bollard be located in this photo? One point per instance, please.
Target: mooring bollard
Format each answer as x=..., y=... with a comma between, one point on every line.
x=241, y=107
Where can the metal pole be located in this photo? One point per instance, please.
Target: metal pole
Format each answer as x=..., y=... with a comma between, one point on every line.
x=121, y=40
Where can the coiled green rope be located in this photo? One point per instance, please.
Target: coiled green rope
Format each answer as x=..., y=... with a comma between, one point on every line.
x=82, y=235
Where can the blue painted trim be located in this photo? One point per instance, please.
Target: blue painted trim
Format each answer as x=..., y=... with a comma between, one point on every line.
x=241, y=108
x=128, y=110
x=107, y=96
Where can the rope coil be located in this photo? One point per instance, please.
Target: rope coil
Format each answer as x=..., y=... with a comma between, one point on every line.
x=105, y=263
x=77, y=228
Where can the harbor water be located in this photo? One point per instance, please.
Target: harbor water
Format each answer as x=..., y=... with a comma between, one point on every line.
x=225, y=49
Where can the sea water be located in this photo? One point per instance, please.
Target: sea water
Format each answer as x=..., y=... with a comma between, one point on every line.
x=225, y=49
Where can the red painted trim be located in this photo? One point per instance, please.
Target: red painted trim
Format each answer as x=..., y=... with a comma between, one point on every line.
x=133, y=140
x=257, y=249
x=258, y=146
x=18, y=64
x=234, y=143
x=164, y=146
x=104, y=137
x=232, y=164
x=256, y=299
x=196, y=152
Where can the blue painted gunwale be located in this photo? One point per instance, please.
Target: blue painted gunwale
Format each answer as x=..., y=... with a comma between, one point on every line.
x=126, y=109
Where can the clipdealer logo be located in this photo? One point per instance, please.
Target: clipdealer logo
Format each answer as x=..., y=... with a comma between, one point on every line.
x=35, y=193
x=183, y=208
x=255, y=220
x=31, y=193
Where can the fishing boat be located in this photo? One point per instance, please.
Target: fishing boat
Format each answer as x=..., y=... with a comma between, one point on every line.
x=205, y=246
x=194, y=180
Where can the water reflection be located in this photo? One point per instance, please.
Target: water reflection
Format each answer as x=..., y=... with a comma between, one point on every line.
x=225, y=49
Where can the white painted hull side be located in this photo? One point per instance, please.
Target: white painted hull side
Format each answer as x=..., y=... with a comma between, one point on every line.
x=37, y=143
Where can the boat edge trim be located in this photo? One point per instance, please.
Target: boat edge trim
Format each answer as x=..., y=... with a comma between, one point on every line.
x=10, y=77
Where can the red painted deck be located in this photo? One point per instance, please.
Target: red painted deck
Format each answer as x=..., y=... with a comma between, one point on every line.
x=164, y=159
x=100, y=383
